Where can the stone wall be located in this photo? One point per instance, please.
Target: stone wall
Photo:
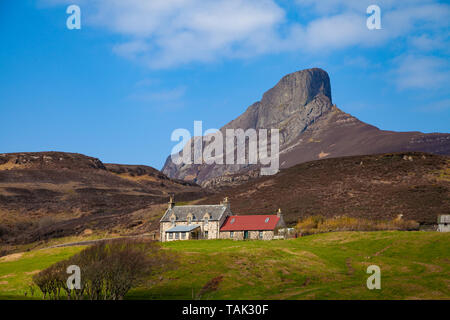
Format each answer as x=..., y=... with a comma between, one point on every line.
x=252, y=235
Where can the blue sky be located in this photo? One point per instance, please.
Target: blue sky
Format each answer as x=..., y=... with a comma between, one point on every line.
x=137, y=70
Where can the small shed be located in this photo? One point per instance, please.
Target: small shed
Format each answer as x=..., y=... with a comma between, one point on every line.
x=444, y=223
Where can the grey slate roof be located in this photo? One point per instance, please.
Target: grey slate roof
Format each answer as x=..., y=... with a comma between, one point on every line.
x=183, y=228
x=181, y=212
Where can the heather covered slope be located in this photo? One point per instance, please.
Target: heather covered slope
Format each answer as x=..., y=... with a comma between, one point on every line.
x=48, y=194
x=381, y=186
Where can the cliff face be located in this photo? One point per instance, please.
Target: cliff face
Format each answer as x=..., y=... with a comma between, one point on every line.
x=292, y=104
x=310, y=127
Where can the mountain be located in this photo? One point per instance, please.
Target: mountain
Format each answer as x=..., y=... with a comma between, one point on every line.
x=380, y=186
x=48, y=194
x=311, y=127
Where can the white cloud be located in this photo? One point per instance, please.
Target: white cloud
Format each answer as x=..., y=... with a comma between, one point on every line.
x=167, y=33
x=172, y=32
x=421, y=72
x=427, y=42
x=331, y=7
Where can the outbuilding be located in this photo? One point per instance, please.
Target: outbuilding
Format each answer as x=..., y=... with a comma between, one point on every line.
x=262, y=227
x=444, y=223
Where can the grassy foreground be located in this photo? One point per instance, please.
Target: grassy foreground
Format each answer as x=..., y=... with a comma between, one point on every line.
x=414, y=265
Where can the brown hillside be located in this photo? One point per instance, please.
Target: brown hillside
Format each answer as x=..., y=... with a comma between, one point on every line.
x=48, y=194
x=381, y=186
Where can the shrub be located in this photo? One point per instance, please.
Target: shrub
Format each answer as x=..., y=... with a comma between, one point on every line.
x=317, y=224
x=108, y=270
x=52, y=280
x=309, y=225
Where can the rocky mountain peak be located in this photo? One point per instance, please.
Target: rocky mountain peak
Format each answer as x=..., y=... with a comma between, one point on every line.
x=310, y=128
x=298, y=97
x=299, y=88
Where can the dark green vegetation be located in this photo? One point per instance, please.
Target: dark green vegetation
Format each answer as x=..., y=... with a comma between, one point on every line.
x=414, y=265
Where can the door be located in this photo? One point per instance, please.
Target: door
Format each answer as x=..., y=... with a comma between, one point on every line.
x=245, y=234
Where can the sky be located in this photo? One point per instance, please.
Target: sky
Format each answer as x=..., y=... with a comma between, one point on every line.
x=136, y=70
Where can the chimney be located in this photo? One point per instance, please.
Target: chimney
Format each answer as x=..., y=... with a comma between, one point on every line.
x=225, y=202
x=171, y=202
x=279, y=213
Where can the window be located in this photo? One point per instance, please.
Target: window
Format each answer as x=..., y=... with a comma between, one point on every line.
x=231, y=234
x=177, y=235
x=183, y=235
x=189, y=220
x=206, y=220
x=267, y=220
x=173, y=218
x=206, y=234
x=232, y=221
x=170, y=235
x=260, y=234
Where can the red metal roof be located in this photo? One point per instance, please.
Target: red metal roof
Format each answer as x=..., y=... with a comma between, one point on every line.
x=252, y=222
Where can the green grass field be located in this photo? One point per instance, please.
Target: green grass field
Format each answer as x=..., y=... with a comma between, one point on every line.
x=414, y=265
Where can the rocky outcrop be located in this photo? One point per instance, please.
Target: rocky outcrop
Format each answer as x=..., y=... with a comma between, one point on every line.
x=48, y=160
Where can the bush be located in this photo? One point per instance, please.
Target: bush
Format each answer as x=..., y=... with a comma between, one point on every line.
x=309, y=225
x=108, y=270
x=317, y=224
x=52, y=280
